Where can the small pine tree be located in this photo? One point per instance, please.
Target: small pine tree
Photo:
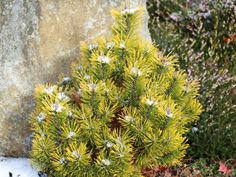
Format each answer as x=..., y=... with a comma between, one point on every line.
x=126, y=108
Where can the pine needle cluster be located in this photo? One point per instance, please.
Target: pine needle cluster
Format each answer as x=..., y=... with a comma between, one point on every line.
x=125, y=108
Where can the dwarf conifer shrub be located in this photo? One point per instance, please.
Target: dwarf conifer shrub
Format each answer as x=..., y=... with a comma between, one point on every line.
x=124, y=109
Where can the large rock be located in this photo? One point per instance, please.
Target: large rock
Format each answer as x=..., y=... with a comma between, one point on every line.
x=38, y=41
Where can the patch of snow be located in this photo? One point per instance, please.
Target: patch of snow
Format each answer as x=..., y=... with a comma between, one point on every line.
x=19, y=167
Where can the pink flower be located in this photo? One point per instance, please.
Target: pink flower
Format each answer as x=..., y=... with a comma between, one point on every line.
x=223, y=168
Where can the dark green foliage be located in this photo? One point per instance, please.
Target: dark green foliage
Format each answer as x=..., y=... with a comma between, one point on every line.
x=199, y=33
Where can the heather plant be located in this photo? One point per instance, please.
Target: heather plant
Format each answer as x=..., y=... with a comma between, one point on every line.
x=124, y=108
x=201, y=34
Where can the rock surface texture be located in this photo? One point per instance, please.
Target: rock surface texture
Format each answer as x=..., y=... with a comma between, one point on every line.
x=38, y=41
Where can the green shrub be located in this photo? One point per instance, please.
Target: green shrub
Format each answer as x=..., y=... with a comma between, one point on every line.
x=195, y=31
x=126, y=108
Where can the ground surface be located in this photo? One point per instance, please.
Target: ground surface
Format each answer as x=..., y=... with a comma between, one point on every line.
x=19, y=167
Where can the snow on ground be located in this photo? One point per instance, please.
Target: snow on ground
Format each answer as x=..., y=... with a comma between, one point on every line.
x=19, y=167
